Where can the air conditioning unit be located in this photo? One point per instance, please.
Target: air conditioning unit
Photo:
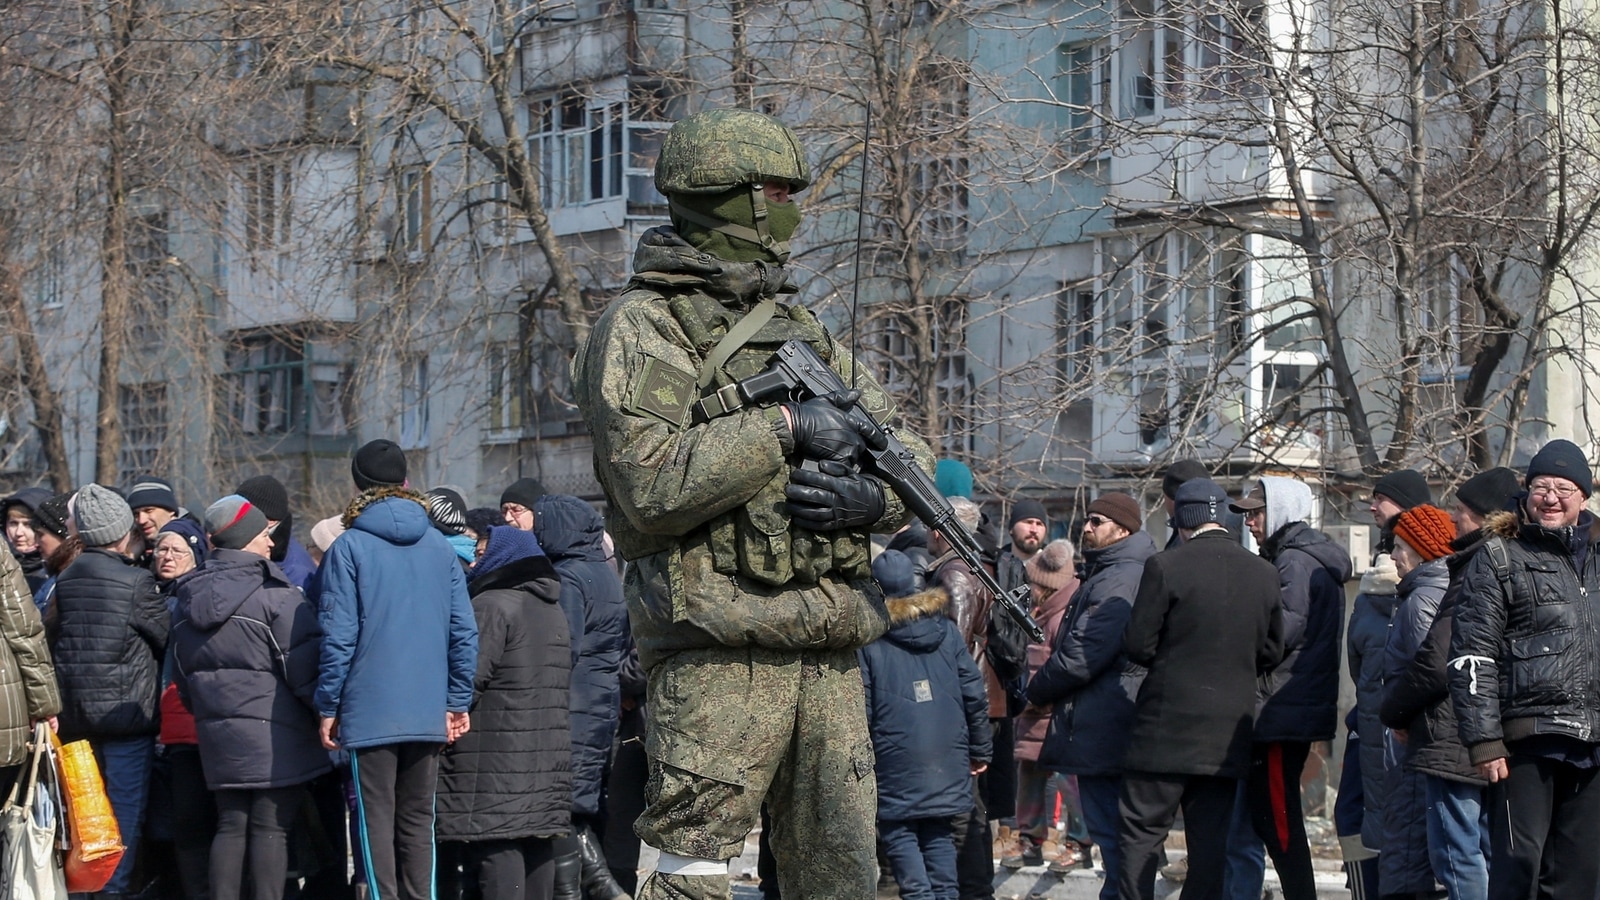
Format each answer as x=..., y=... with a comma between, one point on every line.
x=1357, y=541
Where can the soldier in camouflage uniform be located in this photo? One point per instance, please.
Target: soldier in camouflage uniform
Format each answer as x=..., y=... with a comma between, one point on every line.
x=750, y=587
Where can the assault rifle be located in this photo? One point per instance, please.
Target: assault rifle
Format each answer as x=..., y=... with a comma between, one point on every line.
x=797, y=371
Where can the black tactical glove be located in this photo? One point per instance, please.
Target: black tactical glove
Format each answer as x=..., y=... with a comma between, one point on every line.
x=823, y=430
x=834, y=498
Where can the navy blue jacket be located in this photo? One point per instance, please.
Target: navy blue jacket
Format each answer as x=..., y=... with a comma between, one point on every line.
x=1088, y=675
x=572, y=534
x=1300, y=700
x=399, y=641
x=926, y=710
x=246, y=642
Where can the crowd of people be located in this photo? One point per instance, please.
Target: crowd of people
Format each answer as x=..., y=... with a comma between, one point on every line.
x=431, y=699
x=424, y=701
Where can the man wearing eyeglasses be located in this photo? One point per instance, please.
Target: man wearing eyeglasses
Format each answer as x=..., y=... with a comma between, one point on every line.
x=1088, y=676
x=1525, y=680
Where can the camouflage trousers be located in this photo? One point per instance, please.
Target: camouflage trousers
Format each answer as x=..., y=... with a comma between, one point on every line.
x=729, y=727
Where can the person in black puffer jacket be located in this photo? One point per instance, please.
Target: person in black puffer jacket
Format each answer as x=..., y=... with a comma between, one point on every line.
x=572, y=534
x=246, y=642
x=1417, y=704
x=505, y=787
x=1522, y=677
x=108, y=635
x=1297, y=703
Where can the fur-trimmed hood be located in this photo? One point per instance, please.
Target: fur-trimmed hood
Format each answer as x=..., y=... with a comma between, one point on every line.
x=397, y=523
x=918, y=621
x=1504, y=523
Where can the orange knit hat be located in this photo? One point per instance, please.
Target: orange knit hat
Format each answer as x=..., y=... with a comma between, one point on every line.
x=1428, y=529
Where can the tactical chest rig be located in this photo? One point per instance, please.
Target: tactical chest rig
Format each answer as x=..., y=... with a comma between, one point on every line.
x=757, y=540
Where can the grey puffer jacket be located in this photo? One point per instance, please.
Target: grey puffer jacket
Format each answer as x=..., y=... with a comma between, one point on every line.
x=109, y=639
x=1419, y=699
x=246, y=642
x=1404, y=867
x=1368, y=635
x=1300, y=696
x=510, y=776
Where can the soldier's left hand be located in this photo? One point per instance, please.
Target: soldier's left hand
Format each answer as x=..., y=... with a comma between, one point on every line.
x=834, y=498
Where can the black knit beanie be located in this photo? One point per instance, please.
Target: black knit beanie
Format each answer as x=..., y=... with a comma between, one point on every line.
x=380, y=463
x=1179, y=472
x=1489, y=491
x=1406, y=487
x=1561, y=459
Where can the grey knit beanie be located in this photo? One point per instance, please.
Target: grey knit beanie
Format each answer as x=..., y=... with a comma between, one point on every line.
x=102, y=515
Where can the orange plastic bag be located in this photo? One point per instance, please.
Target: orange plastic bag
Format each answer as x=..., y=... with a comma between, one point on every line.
x=95, y=846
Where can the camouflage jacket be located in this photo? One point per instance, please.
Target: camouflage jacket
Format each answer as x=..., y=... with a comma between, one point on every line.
x=698, y=505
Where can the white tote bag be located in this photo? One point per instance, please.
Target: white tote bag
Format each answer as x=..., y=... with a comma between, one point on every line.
x=29, y=867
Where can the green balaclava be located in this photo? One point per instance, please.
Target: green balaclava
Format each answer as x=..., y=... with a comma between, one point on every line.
x=736, y=207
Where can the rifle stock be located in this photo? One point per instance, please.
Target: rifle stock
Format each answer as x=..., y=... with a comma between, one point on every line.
x=797, y=371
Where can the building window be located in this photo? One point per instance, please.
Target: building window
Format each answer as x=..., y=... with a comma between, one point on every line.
x=1230, y=50
x=50, y=277
x=652, y=108
x=505, y=364
x=414, y=206
x=1074, y=336
x=578, y=143
x=1083, y=88
x=414, y=401
x=949, y=407
x=268, y=191
x=142, y=409
x=279, y=384
x=147, y=270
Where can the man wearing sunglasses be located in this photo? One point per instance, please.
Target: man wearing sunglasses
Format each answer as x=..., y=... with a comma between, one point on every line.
x=1523, y=679
x=1088, y=676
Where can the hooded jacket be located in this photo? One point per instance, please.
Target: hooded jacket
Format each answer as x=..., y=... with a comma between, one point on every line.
x=1419, y=699
x=926, y=711
x=108, y=641
x=1526, y=645
x=246, y=642
x=1368, y=636
x=510, y=776
x=32, y=562
x=698, y=505
x=399, y=643
x=572, y=534
x=1404, y=867
x=1299, y=698
x=1088, y=676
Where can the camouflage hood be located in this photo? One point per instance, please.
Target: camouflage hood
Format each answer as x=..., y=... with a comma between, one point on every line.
x=664, y=259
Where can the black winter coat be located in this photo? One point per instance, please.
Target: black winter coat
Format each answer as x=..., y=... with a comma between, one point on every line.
x=572, y=534
x=1300, y=697
x=1529, y=647
x=1088, y=677
x=926, y=710
x=1206, y=620
x=108, y=640
x=246, y=642
x=1419, y=700
x=510, y=776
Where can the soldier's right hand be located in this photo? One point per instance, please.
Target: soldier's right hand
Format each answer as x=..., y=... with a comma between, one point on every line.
x=823, y=430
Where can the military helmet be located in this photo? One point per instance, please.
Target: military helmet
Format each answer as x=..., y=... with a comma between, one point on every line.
x=721, y=149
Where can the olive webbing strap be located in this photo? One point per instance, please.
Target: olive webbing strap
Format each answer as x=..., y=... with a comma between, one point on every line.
x=742, y=331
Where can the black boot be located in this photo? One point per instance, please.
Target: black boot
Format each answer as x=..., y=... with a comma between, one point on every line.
x=569, y=869
x=597, y=881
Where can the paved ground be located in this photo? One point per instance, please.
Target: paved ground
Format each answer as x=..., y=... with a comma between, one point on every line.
x=1034, y=883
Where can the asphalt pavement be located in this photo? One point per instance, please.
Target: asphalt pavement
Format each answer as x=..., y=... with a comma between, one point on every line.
x=1034, y=882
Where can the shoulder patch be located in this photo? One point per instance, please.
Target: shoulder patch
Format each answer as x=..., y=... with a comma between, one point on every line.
x=664, y=392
